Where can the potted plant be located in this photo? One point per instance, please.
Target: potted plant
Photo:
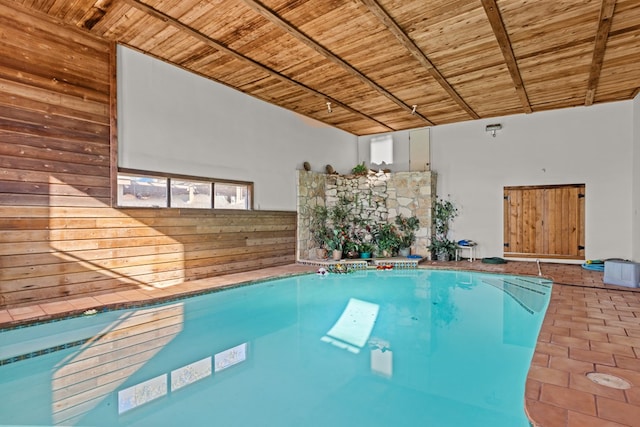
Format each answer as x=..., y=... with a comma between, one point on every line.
x=337, y=223
x=320, y=232
x=366, y=250
x=360, y=169
x=407, y=228
x=444, y=249
x=444, y=211
x=336, y=243
x=386, y=238
x=351, y=249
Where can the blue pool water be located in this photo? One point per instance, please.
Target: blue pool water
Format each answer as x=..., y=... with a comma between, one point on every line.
x=371, y=348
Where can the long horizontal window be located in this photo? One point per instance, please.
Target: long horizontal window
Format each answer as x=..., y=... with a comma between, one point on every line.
x=152, y=190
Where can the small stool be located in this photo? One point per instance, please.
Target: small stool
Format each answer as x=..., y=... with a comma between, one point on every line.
x=471, y=249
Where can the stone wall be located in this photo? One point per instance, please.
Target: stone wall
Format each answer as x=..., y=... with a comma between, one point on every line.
x=377, y=197
x=411, y=194
x=311, y=193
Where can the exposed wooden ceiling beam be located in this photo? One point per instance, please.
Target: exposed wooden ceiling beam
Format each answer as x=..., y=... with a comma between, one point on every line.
x=95, y=14
x=417, y=53
x=308, y=41
x=602, y=35
x=495, y=19
x=224, y=48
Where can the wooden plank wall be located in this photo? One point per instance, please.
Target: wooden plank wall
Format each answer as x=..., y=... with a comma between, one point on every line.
x=59, y=235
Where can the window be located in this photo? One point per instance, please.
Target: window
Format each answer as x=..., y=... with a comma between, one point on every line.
x=148, y=189
x=142, y=191
x=381, y=150
x=231, y=196
x=190, y=194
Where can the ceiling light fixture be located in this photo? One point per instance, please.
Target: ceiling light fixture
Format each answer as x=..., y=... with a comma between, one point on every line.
x=413, y=108
x=493, y=128
x=328, y=107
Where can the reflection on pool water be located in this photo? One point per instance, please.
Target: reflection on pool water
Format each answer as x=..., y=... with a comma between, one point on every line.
x=370, y=348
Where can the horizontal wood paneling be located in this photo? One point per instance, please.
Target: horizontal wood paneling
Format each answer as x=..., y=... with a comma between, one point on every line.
x=59, y=234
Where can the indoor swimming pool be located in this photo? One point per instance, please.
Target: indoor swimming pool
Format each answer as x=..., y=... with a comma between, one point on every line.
x=368, y=348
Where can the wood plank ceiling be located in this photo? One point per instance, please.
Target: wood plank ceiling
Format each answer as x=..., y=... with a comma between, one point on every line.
x=371, y=66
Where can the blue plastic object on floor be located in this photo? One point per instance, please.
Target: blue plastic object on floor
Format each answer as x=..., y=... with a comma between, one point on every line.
x=592, y=266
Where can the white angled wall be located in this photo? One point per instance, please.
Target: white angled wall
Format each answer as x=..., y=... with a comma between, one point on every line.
x=590, y=145
x=170, y=120
x=587, y=145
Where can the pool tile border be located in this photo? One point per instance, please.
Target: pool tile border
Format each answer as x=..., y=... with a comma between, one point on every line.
x=103, y=308
x=43, y=351
x=120, y=306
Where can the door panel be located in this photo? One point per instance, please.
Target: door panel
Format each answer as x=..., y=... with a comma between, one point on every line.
x=544, y=221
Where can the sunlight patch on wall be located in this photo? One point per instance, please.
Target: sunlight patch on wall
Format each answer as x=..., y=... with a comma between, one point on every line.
x=100, y=239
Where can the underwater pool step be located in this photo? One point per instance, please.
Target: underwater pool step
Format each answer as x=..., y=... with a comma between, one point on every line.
x=531, y=294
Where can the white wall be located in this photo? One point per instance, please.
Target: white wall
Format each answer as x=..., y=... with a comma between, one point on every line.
x=170, y=120
x=174, y=121
x=636, y=181
x=571, y=146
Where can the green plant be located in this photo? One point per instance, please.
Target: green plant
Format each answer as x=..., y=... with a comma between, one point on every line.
x=444, y=211
x=338, y=222
x=367, y=248
x=443, y=247
x=339, y=215
x=407, y=227
x=386, y=238
x=360, y=169
x=336, y=240
x=351, y=246
x=318, y=226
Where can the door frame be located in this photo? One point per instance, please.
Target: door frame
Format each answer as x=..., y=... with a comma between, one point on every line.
x=548, y=221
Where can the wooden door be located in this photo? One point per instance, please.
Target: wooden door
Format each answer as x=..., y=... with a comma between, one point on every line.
x=544, y=221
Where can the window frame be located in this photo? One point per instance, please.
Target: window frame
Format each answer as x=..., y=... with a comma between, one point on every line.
x=169, y=176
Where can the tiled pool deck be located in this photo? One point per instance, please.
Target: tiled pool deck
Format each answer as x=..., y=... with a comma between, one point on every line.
x=589, y=327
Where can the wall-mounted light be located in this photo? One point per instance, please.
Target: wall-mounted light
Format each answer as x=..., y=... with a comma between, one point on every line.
x=493, y=128
x=413, y=108
x=328, y=107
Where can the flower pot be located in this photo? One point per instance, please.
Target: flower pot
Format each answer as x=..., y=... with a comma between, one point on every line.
x=321, y=253
x=443, y=256
x=365, y=255
x=404, y=252
x=336, y=255
x=352, y=254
